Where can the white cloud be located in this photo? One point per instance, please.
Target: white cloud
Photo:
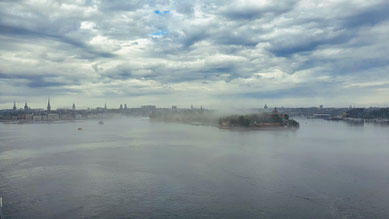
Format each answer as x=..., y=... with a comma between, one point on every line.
x=252, y=52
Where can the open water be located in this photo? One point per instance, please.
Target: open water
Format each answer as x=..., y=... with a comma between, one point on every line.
x=134, y=168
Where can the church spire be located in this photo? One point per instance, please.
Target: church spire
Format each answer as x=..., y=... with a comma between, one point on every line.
x=14, y=108
x=48, y=105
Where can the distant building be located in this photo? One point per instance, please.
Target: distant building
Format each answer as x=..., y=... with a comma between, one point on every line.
x=321, y=106
x=74, y=107
x=275, y=111
x=174, y=107
x=52, y=116
x=65, y=116
x=48, y=105
x=121, y=106
x=105, y=106
x=265, y=107
x=321, y=115
x=25, y=107
x=148, y=107
x=125, y=106
x=28, y=116
x=37, y=117
x=14, y=108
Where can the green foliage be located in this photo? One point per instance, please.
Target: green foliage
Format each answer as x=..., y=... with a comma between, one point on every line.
x=293, y=123
x=255, y=120
x=276, y=118
x=243, y=121
x=250, y=120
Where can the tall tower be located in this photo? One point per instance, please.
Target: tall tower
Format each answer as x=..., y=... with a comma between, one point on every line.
x=105, y=106
x=25, y=106
x=74, y=107
x=48, y=105
x=14, y=108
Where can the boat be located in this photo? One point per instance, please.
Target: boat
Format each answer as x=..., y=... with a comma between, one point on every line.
x=101, y=123
x=1, y=208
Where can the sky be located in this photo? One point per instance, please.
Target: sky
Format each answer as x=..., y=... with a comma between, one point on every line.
x=215, y=54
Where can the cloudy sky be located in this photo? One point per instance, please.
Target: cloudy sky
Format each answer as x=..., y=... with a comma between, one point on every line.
x=210, y=53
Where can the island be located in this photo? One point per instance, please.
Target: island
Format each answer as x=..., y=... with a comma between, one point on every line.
x=259, y=120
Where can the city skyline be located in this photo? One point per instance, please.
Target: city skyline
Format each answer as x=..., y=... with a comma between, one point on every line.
x=222, y=54
x=73, y=106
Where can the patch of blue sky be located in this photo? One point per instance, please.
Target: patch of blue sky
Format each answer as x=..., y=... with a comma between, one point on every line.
x=158, y=12
x=159, y=33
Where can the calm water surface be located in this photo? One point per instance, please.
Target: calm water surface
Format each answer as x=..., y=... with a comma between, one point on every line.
x=134, y=168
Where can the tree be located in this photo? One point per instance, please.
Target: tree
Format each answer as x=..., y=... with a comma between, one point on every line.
x=242, y=121
x=276, y=118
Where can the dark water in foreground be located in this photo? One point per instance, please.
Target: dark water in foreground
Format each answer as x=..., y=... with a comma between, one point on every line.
x=133, y=168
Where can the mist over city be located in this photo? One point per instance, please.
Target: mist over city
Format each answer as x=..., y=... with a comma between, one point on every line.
x=194, y=109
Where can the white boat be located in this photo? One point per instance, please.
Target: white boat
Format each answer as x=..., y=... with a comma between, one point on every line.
x=1, y=208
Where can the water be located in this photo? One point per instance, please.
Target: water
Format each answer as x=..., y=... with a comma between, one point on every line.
x=134, y=168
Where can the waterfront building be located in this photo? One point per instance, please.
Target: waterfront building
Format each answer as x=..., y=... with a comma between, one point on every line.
x=66, y=116
x=74, y=107
x=28, y=116
x=148, y=107
x=37, y=117
x=25, y=107
x=52, y=116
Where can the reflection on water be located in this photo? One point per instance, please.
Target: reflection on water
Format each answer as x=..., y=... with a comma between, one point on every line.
x=140, y=169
